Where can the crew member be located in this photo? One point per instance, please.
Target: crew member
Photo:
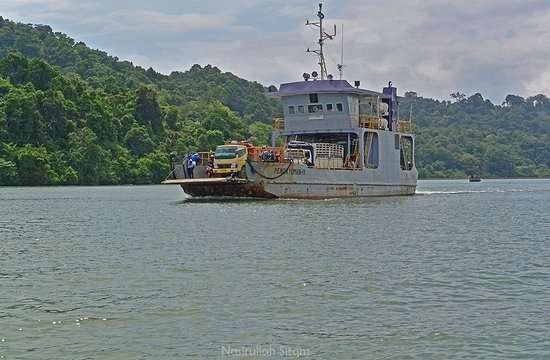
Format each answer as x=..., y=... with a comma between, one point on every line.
x=191, y=166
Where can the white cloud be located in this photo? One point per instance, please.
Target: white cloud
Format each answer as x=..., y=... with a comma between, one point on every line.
x=146, y=20
x=435, y=47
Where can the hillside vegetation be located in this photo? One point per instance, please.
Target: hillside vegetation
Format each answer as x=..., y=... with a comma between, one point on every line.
x=73, y=115
x=472, y=135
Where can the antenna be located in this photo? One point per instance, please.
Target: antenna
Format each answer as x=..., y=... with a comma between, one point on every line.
x=411, y=115
x=323, y=36
x=340, y=66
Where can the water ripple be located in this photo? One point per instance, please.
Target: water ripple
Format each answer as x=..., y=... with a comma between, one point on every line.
x=142, y=272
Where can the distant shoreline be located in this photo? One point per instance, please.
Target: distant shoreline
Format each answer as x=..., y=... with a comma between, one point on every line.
x=144, y=185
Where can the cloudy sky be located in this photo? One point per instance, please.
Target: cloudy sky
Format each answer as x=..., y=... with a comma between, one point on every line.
x=435, y=47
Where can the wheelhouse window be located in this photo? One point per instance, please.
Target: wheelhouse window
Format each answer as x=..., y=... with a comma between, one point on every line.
x=291, y=109
x=313, y=109
x=330, y=107
x=301, y=109
x=340, y=107
x=313, y=98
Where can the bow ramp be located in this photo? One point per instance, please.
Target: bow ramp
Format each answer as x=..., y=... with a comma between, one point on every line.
x=205, y=181
x=222, y=187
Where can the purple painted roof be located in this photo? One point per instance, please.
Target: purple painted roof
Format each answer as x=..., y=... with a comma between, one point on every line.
x=323, y=86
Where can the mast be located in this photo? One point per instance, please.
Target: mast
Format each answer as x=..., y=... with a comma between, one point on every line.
x=340, y=66
x=323, y=36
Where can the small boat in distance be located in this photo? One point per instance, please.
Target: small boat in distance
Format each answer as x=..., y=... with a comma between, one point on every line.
x=475, y=178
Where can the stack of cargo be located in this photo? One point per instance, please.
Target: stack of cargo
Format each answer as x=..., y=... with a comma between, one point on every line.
x=329, y=156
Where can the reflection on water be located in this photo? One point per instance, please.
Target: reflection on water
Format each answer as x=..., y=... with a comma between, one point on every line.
x=145, y=272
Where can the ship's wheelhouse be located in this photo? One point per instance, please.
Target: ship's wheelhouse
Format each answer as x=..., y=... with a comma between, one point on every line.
x=353, y=121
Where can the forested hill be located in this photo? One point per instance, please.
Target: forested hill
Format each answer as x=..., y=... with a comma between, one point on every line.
x=73, y=115
x=101, y=70
x=472, y=135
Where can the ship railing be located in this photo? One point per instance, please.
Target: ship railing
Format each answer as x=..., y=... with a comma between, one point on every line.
x=405, y=126
x=205, y=158
x=278, y=123
x=295, y=154
x=254, y=153
x=374, y=122
x=369, y=121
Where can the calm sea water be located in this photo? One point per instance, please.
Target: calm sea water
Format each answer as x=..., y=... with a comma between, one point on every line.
x=460, y=271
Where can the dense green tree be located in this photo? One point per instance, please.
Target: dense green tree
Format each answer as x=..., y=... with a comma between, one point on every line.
x=213, y=115
x=8, y=172
x=260, y=133
x=148, y=109
x=138, y=140
x=209, y=139
x=171, y=117
x=152, y=168
x=123, y=165
x=89, y=159
x=34, y=166
x=57, y=114
x=24, y=121
x=15, y=67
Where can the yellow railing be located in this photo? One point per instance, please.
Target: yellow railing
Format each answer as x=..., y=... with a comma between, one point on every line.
x=405, y=126
x=368, y=121
x=278, y=123
x=373, y=122
x=205, y=157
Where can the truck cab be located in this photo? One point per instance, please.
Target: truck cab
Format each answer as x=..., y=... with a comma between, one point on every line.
x=229, y=159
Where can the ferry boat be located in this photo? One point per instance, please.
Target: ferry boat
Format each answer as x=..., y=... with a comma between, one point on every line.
x=334, y=140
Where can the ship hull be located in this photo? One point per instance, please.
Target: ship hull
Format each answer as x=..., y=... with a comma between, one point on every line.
x=328, y=191
x=297, y=181
x=264, y=190
x=302, y=182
